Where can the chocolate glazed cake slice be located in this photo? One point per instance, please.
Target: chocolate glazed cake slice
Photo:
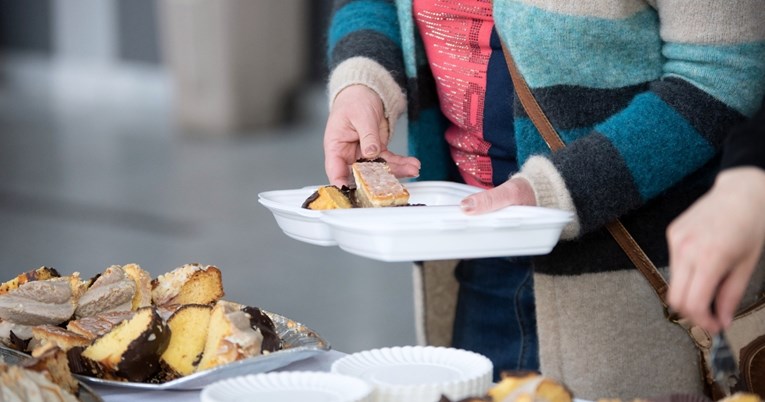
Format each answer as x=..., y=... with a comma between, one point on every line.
x=130, y=351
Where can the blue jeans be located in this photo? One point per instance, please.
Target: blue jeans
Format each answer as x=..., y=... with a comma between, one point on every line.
x=495, y=312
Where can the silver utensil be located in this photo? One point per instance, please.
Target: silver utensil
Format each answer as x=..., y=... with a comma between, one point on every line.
x=723, y=365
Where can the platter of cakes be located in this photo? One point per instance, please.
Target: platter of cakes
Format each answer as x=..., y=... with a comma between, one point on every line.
x=381, y=218
x=124, y=328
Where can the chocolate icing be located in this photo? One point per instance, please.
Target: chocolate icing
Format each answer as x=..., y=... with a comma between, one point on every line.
x=141, y=359
x=261, y=321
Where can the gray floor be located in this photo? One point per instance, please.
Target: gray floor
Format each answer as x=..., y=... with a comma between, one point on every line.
x=93, y=172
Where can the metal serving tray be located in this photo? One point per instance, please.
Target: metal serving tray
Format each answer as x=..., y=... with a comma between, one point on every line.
x=300, y=342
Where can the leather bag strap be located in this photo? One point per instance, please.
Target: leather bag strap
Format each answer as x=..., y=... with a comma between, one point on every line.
x=617, y=230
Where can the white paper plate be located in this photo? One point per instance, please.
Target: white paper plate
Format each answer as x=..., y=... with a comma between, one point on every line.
x=295, y=386
x=419, y=373
x=439, y=230
x=306, y=225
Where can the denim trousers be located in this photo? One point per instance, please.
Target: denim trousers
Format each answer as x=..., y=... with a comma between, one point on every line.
x=495, y=313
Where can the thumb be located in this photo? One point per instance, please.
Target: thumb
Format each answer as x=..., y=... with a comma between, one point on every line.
x=369, y=140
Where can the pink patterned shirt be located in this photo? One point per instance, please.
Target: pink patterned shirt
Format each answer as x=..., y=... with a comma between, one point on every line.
x=457, y=37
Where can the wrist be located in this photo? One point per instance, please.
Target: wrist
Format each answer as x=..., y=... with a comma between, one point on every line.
x=747, y=181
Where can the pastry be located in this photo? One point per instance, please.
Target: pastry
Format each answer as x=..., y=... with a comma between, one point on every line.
x=131, y=350
x=376, y=186
x=188, y=328
x=53, y=363
x=113, y=290
x=329, y=197
x=189, y=284
x=528, y=386
x=46, y=336
x=39, y=274
x=20, y=384
x=50, y=301
x=232, y=335
x=99, y=324
x=142, y=280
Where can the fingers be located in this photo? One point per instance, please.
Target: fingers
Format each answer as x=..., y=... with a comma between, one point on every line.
x=354, y=129
x=512, y=192
x=680, y=265
x=729, y=295
x=337, y=171
x=702, y=289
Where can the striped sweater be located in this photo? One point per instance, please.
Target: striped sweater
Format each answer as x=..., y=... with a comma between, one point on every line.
x=642, y=91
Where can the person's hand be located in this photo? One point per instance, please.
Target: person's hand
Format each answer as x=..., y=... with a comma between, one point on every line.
x=515, y=191
x=714, y=247
x=357, y=128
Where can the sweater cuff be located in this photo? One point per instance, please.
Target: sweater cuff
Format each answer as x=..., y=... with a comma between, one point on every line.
x=550, y=190
x=365, y=71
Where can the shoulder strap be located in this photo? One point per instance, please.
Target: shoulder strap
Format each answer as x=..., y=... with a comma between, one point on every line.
x=553, y=140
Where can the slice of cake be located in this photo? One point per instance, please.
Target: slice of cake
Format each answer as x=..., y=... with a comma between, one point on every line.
x=376, y=186
x=188, y=327
x=113, y=290
x=46, y=336
x=20, y=384
x=231, y=336
x=94, y=326
x=50, y=301
x=131, y=350
x=529, y=386
x=53, y=363
x=329, y=197
x=39, y=274
x=142, y=280
x=189, y=284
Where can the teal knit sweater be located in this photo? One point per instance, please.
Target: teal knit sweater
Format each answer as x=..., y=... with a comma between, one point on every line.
x=642, y=92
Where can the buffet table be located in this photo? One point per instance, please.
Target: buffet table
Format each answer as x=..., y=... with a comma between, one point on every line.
x=320, y=362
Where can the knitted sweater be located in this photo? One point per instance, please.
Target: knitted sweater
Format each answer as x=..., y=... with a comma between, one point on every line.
x=745, y=146
x=643, y=93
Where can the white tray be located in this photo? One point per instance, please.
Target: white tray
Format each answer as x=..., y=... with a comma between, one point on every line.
x=439, y=230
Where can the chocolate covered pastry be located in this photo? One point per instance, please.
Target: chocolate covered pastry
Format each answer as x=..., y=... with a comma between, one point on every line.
x=329, y=197
x=131, y=350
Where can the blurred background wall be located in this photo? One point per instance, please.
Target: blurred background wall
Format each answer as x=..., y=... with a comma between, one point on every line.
x=143, y=130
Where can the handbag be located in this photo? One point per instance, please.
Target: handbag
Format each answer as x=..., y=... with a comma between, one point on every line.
x=746, y=335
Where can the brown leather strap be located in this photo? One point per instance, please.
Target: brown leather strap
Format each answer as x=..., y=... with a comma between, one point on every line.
x=617, y=230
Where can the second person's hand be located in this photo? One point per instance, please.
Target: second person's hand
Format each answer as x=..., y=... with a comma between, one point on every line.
x=357, y=128
x=515, y=191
